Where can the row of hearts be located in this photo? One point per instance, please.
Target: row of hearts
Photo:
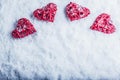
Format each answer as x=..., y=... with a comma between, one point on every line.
x=73, y=12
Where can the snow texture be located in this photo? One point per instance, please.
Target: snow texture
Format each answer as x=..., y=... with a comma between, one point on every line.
x=62, y=50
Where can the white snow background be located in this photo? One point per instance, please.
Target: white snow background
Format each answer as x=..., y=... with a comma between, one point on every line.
x=62, y=50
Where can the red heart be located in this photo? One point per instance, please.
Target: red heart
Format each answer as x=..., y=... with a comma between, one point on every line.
x=46, y=13
x=75, y=11
x=103, y=24
x=23, y=29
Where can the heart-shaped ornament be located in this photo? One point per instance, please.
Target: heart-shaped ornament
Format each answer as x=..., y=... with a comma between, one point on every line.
x=75, y=11
x=46, y=13
x=23, y=29
x=103, y=24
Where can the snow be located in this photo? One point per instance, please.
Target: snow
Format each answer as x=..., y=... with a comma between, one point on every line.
x=60, y=50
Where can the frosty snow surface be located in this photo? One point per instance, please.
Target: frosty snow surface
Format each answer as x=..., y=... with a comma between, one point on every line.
x=62, y=50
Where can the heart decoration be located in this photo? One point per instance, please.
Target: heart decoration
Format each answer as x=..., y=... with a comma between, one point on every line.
x=75, y=11
x=103, y=24
x=23, y=29
x=46, y=13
